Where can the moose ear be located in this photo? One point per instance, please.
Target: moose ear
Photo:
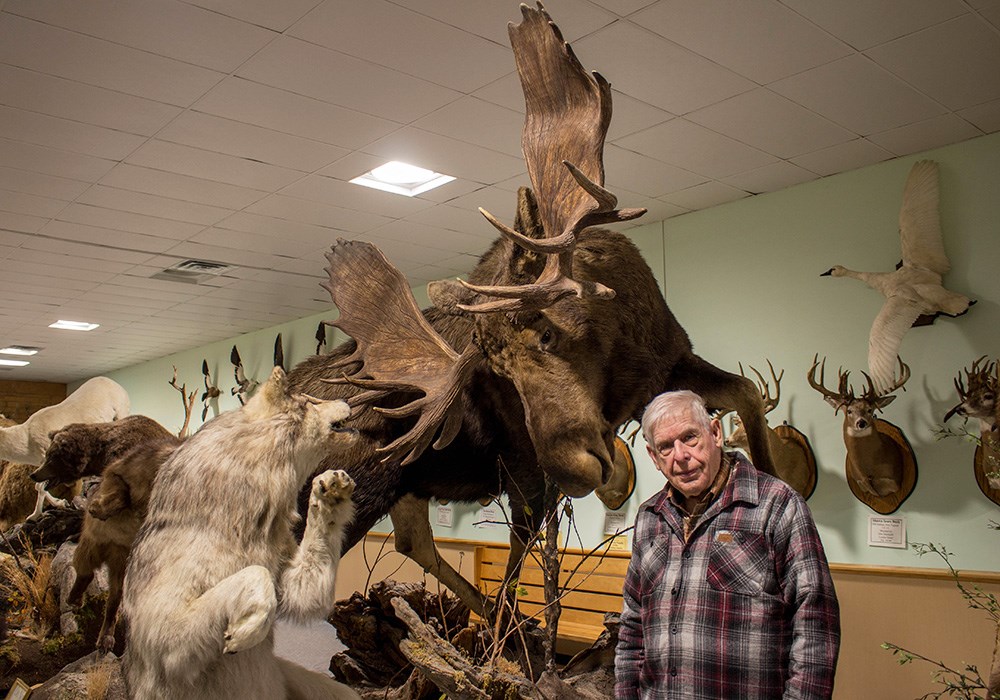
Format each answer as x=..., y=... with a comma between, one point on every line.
x=448, y=294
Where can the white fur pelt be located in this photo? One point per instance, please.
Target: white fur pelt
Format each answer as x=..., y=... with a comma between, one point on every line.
x=215, y=560
x=98, y=400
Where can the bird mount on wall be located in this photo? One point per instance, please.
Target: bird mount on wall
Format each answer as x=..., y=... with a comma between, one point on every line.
x=914, y=294
x=881, y=466
x=794, y=461
x=244, y=386
x=979, y=402
x=321, y=338
x=211, y=394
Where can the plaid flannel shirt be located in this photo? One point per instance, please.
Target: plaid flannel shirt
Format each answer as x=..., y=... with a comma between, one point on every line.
x=745, y=608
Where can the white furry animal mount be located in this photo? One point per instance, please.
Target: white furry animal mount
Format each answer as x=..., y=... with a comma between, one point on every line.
x=215, y=560
x=98, y=400
x=914, y=288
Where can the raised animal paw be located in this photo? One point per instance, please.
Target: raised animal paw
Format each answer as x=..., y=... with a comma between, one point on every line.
x=331, y=495
x=252, y=612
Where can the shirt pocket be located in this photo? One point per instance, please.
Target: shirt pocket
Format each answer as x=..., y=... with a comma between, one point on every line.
x=740, y=562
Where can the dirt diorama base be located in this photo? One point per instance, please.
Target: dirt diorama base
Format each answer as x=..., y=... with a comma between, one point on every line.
x=891, y=502
x=406, y=643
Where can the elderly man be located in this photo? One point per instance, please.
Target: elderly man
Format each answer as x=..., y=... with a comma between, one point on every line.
x=728, y=594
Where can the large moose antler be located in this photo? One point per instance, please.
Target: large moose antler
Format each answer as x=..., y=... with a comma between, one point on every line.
x=567, y=112
x=397, y=347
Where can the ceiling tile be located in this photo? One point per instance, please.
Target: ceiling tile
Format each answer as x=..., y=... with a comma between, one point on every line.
x=478, y=122
x=32, y=205
x=241, y=240
x=505, y=92
x=499, y=202
x=328, y=190
x=446, y=155
x=767, y=121
x=278, y=16
x=166, y=27
x=842, y=157
x=985, y=116
x=254, y=143
x=452, y=218
x=770, y=178
x=632, y=171
x=40, y=47
x=760, y=39
x=444, y=241
x=708, y=194
x=954, y=62
x=230, y=256
x=859, y=95
x=271, y=108
x=404, y=37
x=630, y=115
x=696, y=149
x=922, y=136
x=196, y=162
x=61, y=260
x=58, y=97
x=489, y=19
x=175, y=186
x=152, y=205
x=42, y=270
x=656, y=71
x=83, y=250
x=308, y=212
x=54, y=132
x=50, y=161
x=346, y=81
x=39, y=184
x=109, y=237
x=280, y=228
x=623, y=8
x=863, y=23
x=19, y=222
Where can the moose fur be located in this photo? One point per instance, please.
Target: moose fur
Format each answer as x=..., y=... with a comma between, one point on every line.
x=545, y=398
x=215, y=559
x=114, y=514
x=86, y=449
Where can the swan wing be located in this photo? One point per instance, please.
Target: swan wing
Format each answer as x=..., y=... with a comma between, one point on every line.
x=920, y=220
x=896, y=317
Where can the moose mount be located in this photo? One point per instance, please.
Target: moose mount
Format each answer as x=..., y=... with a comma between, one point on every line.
x=523, y=373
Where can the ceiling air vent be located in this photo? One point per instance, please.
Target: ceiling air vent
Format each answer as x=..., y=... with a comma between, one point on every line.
x=192, y=271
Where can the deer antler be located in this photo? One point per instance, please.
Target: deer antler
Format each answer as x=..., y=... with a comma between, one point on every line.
x=187, y=400
x=872, y=393
x=770, y=403
x=844, y=393
x=397, y=349
x=567, y=112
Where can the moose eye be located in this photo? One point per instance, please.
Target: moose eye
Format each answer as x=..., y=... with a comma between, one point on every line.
x=545, y=340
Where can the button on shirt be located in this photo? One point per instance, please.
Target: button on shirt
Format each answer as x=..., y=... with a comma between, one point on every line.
x=743, y=607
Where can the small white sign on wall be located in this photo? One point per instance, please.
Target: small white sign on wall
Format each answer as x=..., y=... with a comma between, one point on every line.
x=886, y=531
x=613, y=522
x=489, y=518
x=445, y=515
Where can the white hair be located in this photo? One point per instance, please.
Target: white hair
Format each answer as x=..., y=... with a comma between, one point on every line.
x=672, y=403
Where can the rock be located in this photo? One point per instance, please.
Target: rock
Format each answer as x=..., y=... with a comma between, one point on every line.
x=90, y=677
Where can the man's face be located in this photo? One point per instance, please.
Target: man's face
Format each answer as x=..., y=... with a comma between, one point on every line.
x=686, y=453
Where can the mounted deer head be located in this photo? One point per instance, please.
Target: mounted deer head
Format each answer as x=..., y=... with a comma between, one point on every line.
x=874, y=460
x=794, y=462
x=979, y=401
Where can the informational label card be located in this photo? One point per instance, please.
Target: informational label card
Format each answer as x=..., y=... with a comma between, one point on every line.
x=445, y=515
x=613, y=523
x=886, y=531
x=489, y=518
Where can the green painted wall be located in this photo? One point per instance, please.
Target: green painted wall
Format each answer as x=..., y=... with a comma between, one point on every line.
x=743, y=279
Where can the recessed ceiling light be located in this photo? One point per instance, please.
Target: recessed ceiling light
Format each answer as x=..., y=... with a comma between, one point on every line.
x=13, y=363
x=19, y=350
x=402, y=178
x=74, y=325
